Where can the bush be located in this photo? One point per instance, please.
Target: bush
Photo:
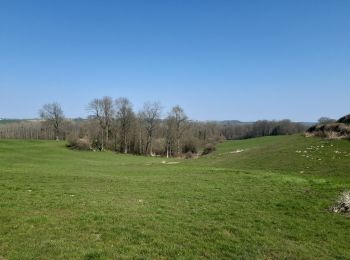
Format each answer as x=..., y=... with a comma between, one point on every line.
x=190, y=146
x=345, y=120
x=189, y=155
x=331, y=131
x=96, y=144
x=158, y=146
x=83, y=144
x=209, y=148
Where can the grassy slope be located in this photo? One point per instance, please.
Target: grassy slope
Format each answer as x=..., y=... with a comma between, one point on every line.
x=56, y=203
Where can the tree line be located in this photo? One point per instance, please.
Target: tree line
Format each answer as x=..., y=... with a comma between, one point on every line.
x=113, y=124
x=262, y=128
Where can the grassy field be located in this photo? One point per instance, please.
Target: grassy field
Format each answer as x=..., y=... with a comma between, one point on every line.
x=261, y=198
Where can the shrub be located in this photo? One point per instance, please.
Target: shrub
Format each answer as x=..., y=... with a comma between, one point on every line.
x=331, y=131
x=79, y=143
x=189, y=155
x=96, y=144
x=190, y=146
x=158, y=146
x=209, y=148
x=345, y=120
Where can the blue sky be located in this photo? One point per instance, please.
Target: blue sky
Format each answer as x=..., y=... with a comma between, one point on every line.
x=244, y=60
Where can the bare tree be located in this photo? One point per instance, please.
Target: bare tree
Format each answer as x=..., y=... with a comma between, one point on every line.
x=326, y=120
x=140, y=132
x=169, y=135
x=178, y=118
x=53, y=115
x=125, y=117
x=102, y=110
x=151, y=113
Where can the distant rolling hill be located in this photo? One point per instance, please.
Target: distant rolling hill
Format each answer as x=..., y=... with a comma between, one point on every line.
x=7, y=121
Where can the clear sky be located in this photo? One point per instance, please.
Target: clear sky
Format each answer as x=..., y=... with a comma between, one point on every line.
x=244, y=60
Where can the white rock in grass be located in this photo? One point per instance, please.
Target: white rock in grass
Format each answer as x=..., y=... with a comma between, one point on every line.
x=238, y=151
x=343, y=203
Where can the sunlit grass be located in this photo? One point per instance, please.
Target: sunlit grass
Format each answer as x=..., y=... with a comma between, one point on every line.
x=260, y=203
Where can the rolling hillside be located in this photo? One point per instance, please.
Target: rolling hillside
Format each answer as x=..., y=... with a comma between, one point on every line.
x=260, y=198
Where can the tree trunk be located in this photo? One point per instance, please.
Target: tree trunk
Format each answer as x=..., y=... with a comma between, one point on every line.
x=178, y=146
x=102, y=141
x=125, y=145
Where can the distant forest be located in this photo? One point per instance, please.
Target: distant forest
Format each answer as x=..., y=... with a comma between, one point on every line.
x=114, y=125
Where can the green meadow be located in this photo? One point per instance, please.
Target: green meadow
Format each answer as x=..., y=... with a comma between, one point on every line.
x=262, y=198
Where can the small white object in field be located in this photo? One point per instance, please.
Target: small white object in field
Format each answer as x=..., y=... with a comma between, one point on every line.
x=72, y=195
x=140, y=201
x=343, y=203
x=301, y=171
x=29, y=190
x=237, y=151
